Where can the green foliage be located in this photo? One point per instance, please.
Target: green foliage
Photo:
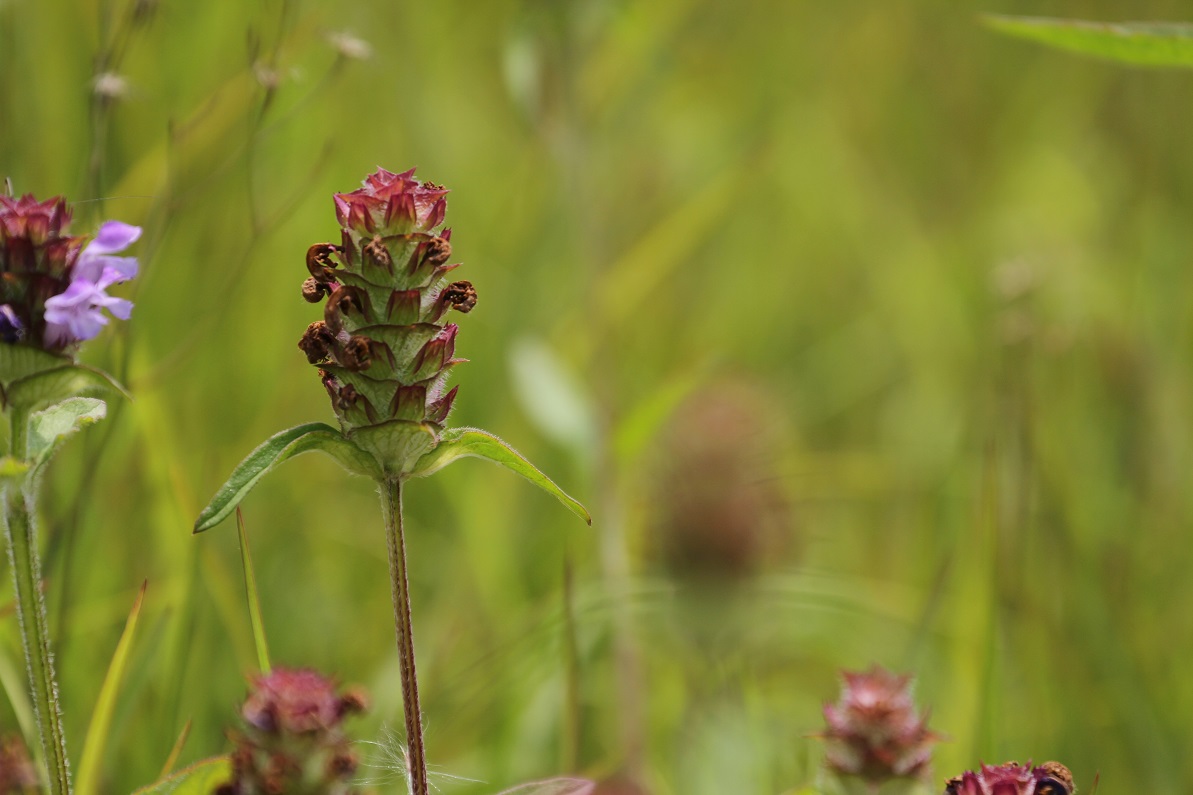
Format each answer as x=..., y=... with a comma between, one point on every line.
x=1138, y=43
x=201, y=778
x=951, y=271
x=252, y=597
x=49, y=428
x=87, y=780
x=457, y=443
x=276, y=450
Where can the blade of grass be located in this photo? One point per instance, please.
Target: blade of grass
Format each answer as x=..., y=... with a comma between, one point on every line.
x=101, y=719
x=250, y=588
x=172, y=759
x=18, y=698
x=1137, y=43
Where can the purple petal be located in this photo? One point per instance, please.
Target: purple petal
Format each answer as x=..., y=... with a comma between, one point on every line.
x=95, y=263
x=77, y=313
x=114, y=236
x=116, y=270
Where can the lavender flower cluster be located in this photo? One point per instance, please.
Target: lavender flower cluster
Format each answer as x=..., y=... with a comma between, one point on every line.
x=54, y=285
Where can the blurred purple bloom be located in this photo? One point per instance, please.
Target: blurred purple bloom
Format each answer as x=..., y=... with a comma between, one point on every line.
x=11, y=328
x=76, y=314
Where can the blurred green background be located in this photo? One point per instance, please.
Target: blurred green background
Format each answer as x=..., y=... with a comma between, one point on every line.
x=863, y=332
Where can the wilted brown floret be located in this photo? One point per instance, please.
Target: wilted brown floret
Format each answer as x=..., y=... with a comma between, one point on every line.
x=346, y=397
x=342, y=302
x=376, y=252
x=436, y=251
x=460, y=296
x=314, y=290
x=356, y=354
x=320, y=262
x=316, y=342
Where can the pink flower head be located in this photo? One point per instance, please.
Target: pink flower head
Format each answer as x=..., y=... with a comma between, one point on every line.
x=874, y=731
x=392, y=204
x=292, y=738
x=76, y=314
x=1012, y=778
x=299, y=701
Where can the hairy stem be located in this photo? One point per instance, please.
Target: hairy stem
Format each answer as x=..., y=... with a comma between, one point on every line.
x=416, y=752
x=31, y=609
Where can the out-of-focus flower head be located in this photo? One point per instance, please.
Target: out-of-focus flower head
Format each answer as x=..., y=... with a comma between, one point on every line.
x=292, y=738
x=875, y=732
x=17, y=773
x=1012, y=778
x=53, y=286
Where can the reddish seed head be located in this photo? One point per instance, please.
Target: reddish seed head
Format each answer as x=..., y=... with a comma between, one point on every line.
x=391, y=204
x=874, y=731
x=292, y=739
x=387, y=292
x=1012, y=778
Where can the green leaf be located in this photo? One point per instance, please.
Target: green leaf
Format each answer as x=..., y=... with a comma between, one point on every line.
x=281, y=447
x=18, y=361
x=201, y=778
x=48, y=429
x=101, y=719
x=1139, y=43
x=43, y=388
x=460, y=443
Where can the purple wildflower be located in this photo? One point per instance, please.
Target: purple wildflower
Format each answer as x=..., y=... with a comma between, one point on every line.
x=54, y=288
x=76, y=314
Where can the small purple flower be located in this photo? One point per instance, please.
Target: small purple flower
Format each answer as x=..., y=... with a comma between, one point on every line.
x=77, y=314
x=11, y=329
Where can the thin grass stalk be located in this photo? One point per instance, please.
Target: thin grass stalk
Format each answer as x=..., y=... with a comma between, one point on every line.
x=416, y=754
x=31, y=609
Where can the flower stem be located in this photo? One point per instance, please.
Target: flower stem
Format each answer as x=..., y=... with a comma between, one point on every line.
x=35, y=635
x=416, y=752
